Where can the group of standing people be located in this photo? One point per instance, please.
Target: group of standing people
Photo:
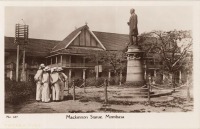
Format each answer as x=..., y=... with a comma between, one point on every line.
x=50, y=84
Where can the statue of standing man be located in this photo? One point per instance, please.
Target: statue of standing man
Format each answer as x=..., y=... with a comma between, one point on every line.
x=133, y=29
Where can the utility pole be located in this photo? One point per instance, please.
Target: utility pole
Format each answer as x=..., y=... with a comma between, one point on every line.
x=21, y=38
x=17, y=64
x=23, y=76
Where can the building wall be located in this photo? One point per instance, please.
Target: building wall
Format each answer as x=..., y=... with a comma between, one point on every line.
x=11, y=58
x=76, y=73
x=85, y=39
x=76, y=59
x=30, y=71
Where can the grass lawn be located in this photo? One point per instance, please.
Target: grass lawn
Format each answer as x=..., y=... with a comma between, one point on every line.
x=120, y=100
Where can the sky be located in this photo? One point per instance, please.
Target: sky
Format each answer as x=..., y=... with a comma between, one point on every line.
x=55, y=23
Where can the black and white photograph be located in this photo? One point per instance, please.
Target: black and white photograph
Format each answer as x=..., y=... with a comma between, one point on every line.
x=109, y=60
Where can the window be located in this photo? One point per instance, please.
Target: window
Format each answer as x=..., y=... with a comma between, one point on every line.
x=53, y=60
x=48, y=61
x=59, y=58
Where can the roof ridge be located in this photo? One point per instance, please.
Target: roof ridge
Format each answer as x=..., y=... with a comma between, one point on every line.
x=78, y=29
x=32, y=38
x=110, y=33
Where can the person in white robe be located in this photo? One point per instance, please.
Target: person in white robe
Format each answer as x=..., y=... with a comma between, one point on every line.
x=62, y=82
x=55, y=85
x=38, y=79
x=46, y=81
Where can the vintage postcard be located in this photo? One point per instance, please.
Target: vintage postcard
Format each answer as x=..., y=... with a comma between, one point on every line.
x=100, y=64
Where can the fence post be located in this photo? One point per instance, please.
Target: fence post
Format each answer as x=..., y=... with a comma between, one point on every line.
x=65, y=85
x=149, y=79
x=73, y=90
x=145, y=69
x=120, y=78
x=105, y=90
x=149, y=88
x=68, y=87
x=149, y=94
x=84, y=81
x=188, y=87
x=109, y=76
x=84, y=72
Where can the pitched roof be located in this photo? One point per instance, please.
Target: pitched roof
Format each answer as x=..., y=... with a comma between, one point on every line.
x=112, y=41
x=75, y=51
x=67, y=40
x=9, y=43
x=35, y=47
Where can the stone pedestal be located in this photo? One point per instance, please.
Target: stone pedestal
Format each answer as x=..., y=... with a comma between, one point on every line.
x=135, y=72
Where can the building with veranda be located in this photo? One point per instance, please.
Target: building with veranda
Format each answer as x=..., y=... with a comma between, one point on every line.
x=72, y=55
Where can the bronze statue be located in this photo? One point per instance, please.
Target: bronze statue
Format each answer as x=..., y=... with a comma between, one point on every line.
x=133, y=29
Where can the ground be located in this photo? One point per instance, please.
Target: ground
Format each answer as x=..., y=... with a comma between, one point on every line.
x=120, y=100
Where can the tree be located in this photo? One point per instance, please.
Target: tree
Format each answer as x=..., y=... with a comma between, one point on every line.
x=115, y=59
x=172, y=48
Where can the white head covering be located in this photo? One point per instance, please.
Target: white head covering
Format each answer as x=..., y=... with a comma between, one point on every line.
x=47, y=68
x=53, y=69
x=41, y=66
x=59, y=69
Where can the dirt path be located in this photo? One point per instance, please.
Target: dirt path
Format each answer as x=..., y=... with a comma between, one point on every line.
x=93, y=101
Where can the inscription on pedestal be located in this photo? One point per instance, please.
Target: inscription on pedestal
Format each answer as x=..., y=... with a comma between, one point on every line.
x=134, y=65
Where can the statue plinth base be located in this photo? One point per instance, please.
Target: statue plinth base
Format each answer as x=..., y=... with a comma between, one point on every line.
x=135, y=73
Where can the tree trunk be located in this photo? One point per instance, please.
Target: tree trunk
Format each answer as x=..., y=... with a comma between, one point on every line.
x=172, y=78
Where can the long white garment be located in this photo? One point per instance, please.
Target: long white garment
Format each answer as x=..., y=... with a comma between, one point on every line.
x=38, y=91
x=55, y=86
x=53, y=93
x=57, y=91
x=38, y=79
x=62, y=88
x=62, y=80
x=45, y=90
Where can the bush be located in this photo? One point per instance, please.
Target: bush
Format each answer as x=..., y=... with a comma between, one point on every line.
x=100, y=81
x=77, y=82
x=114, y=80
x=135, y=84
x=94, y=82
x=90, y=82
x=17, y=92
